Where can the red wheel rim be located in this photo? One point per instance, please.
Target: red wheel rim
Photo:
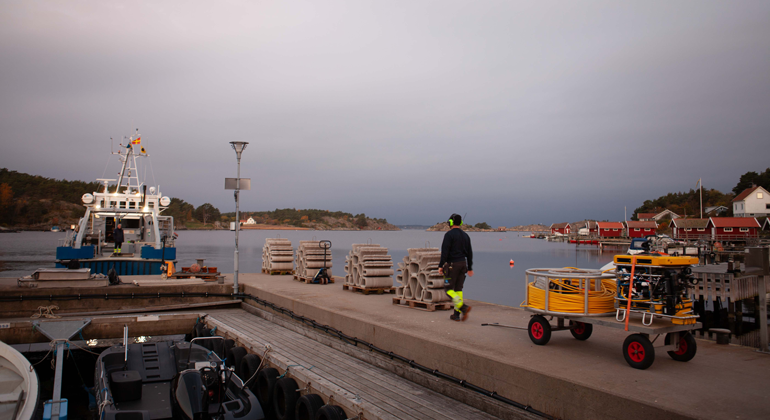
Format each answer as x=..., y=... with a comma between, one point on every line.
x=579, y=328
x=537, y=330
x=636, y=352
x=682, y=347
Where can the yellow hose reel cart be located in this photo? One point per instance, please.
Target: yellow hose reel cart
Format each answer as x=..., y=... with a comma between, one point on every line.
x=584, y=298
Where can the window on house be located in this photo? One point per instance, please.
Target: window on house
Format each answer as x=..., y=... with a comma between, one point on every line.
x=767, y=206
x=701, y=229
x=687, y=229
x=760, y=195
x=728, y=229
x=744, y=229
x=614, y=230
x=636, y=230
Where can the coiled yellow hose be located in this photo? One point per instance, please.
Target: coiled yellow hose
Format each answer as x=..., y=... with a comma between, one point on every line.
x=568, y=297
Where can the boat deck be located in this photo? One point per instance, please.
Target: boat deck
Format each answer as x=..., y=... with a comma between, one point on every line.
x=357, y=386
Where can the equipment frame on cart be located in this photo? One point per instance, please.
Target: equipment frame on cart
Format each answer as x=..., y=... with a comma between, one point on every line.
x=638, y=349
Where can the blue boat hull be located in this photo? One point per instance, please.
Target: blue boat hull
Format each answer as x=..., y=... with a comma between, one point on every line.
x=124, y=267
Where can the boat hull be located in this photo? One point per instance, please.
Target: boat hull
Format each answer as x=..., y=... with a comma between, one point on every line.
x=122, y=266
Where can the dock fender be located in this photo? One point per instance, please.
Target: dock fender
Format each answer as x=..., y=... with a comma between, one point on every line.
x=266, y=379
x=285, y=398
x=234, y=357
x=331, y=412
x=308, y=406
x=248, y=369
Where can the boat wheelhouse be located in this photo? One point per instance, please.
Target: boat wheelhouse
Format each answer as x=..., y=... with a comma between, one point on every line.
x=148, y=237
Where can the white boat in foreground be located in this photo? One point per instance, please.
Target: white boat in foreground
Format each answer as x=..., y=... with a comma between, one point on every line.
x=18, y=385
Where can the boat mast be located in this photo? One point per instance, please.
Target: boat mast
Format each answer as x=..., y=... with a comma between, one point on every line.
x=127, y=166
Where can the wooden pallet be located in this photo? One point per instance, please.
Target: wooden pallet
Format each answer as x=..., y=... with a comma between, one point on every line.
x=369, y=290
x=201, y=276
x=309, y=280
x=423, y=306
x=278, y=272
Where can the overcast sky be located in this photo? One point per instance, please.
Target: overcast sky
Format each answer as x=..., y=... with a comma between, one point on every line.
x=511, y=112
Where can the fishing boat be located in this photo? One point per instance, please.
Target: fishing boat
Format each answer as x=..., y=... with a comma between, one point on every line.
x=127, y=201
x=167, y=380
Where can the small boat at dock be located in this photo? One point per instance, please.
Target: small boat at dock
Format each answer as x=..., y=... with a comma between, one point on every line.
x=167, y=380
x=18, y=385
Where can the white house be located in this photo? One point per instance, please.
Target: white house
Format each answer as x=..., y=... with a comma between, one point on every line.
x=752, y=202
x=250, y=221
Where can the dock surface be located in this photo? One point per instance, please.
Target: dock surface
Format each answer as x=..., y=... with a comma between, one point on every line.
x=376, y=393
x=566, y=378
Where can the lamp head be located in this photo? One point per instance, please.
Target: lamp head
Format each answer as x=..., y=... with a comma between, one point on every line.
x=238, y=146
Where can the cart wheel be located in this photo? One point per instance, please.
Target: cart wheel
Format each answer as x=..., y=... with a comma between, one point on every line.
x=539, y=330
x=638, y=351
x=581, y=330
x=687, y=347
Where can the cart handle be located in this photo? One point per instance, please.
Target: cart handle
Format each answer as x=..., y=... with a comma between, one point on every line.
x=644, y=318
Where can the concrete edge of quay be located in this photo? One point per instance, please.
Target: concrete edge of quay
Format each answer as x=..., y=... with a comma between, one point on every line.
x=554, y=396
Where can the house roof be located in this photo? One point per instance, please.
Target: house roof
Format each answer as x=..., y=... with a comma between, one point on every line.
x=664, y=213
x=591, y=224
x=609, y=225
x=747, y=192
x=645, y=215
x=690, y=223
x=559, y=225
x=718, y=209
x=766, y=225
x=734, y=222
x=647, y=224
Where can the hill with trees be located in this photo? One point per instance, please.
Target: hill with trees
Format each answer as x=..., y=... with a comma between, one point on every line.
x=314, y=219
x=35, y=202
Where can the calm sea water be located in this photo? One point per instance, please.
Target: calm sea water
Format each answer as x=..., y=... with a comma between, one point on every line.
x=494, y=280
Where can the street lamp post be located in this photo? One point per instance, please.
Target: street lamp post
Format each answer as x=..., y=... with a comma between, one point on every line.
x=238, y=146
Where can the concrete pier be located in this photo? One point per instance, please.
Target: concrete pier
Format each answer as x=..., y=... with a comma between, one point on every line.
x=567, y=378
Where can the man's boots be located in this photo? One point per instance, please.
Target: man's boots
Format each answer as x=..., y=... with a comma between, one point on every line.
x=455, y=315
x=465, y=310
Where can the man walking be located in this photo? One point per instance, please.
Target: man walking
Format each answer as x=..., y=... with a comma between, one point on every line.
x=456, y=260
x=117, y=236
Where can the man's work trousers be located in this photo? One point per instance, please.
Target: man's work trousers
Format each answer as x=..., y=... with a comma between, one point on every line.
x=454, y=275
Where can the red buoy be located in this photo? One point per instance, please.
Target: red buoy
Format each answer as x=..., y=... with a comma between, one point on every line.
x=511, y=263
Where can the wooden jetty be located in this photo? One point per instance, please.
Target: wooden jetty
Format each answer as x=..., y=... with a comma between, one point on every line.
x=360, y=388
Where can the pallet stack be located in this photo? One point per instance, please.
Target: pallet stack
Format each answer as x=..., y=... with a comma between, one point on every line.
x=421, y=286
x=277, y=256
x=309, y=259
x=368, y=268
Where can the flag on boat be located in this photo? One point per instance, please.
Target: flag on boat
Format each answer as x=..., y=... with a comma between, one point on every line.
x=137, y=141
x=143, y=151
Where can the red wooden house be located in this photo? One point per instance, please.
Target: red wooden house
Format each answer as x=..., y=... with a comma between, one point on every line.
x=732, y=228
x=637, y=229
x=610, y=229
x=689, y=228
x=645, y=216
x=560, y=228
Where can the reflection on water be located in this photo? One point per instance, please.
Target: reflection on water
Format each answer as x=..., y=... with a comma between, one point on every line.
x=494, y=281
